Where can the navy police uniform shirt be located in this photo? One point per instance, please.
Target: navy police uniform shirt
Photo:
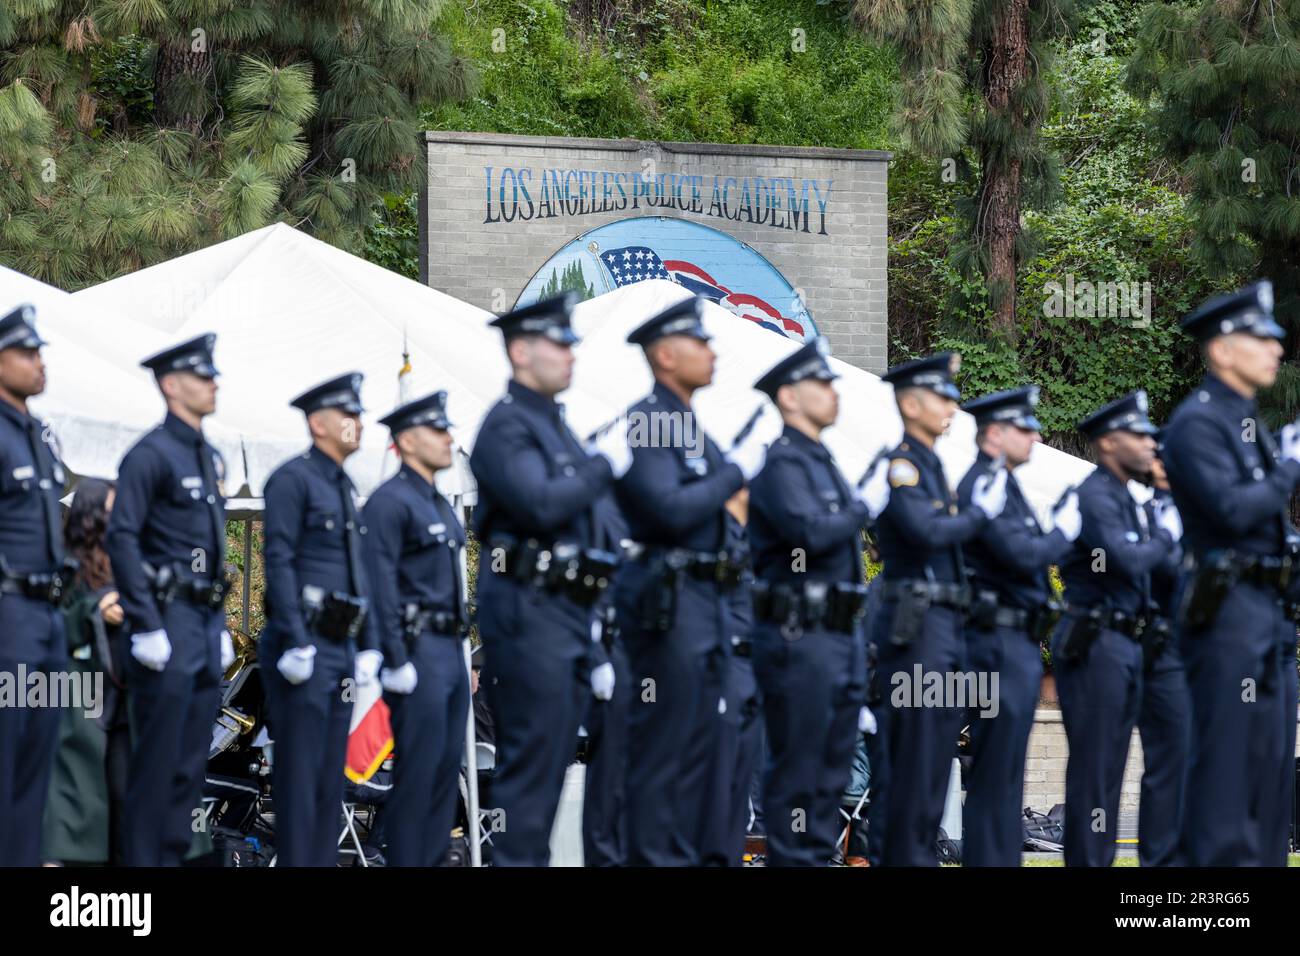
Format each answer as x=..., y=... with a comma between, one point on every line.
x=310, y=503
x=1010, y=556
x=800, y=500
x=534, y=478
x=169, y=511
x=413, y=546
x=1230, y=487
x=739, y=600
x=1115, y=533
x=921, y=527
x=673, y=495
x=1164, y=576
x=31, y=481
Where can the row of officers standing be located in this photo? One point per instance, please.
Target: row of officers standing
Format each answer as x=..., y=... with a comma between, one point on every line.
x=671, y=596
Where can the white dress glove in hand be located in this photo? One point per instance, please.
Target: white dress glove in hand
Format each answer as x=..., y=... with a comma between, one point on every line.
x=989, y=495
x=1291, y=442
x=602, y=681
x=366, y=666
x=1068, y=519
x=749, y=454
x=873, y=489
x=1168, y=518
x=152, y=649
x=401, y=680
x=866, y=721
x=227, y=651
x=612, y=444
x=297, y=663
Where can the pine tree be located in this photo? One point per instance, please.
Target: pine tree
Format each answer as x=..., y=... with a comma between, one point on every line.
x=135, y=130
x=1224, y=78
x=972, y=80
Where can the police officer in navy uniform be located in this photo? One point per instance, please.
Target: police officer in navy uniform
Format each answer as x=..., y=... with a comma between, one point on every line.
x=413, y=545
x=1096, y=647
x=539, y=574
x=671, y=594
x=923, y=598
x=809, y=602
x=32, y=573
x=1011, y=613
x=1233, y=481
x=167, y=541
x=604, y=799
x=1165, y=712
x=319, y=635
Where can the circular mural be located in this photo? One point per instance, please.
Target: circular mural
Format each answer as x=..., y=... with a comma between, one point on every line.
x=704, y=260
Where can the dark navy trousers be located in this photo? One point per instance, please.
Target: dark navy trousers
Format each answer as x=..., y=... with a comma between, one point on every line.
x=309, y=724
x=1165, y=726
x=31, y=640
x=604, y=801
x=171, y=713
x=428, y=744
x=740, y=753
x=993, y=830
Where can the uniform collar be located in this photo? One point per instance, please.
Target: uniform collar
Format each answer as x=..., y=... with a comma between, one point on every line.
x=1222, y=394
x=23, y=419
x=326, y=465
x=178, y=429
x=917, y=448
x=415, y=480
x=1117, y=486
x=801, y=441
x=664, y=395
x=533, y=399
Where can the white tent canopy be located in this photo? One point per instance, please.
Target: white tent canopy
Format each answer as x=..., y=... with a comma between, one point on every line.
x=291, y=311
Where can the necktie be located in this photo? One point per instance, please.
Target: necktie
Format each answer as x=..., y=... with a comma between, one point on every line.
x=351, y=534
x=215, y=509
x=48, y=490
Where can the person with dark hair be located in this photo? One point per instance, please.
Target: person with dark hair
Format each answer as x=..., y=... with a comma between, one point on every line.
x=83, y=813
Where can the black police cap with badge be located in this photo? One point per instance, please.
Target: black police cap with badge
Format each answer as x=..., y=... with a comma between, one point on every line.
x=430, y=410
x=1015, y=406
x=193, y=355
x=681, y=318
x=1127, y=414
x=934, y=372
x=548, y=318
x=343, y=393
x=1247, y=310
x=804, y=363
x=18, y=329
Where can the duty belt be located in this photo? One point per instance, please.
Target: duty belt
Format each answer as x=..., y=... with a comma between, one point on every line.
x=169, y=585
x=49, y=587
x=1130, y=625
x=581, y=574
x=943, y=593
x=811, y=605
x=1266, y=572
x=336, y=616
x=419, y=618
x=719, y=567
x=986, y=613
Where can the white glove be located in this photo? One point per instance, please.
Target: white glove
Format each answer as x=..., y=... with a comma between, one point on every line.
x=152, y=649
x=227, y=651
x=1168, y=518
x=297, y=663
x=399, y=681
x=873, y=489
x=990, y=494
x=749, y=455
x=366, y=666
x=1068, y=519
x=596, y=628
x=612, y=444
x=866, y=721
x=722, y=705
x=1291, y=442
x=602, y=681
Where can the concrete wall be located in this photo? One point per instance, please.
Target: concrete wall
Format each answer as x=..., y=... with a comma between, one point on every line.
x=482, y=244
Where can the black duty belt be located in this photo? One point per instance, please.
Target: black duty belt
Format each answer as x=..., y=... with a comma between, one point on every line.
x=336, y=616
x=420, y=618
x=581, y=574
x=718, y=567
x=49, y=587
x=810, y=605
x=1130, y=625
x=169, y=585
x=944, y=593
x=985, y=613
x=1265, y=572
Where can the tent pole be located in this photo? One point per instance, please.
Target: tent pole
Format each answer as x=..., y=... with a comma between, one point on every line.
x=248, y=572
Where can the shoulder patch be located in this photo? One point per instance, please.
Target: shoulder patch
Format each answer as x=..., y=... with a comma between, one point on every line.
x=903, y=473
